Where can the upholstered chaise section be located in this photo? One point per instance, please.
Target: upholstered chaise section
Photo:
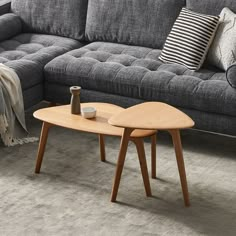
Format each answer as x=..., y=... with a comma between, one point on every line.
x=136, y=72
x=34, y=33
x=27, y=54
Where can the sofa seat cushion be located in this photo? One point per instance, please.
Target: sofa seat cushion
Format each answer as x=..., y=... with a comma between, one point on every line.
x=205, y=90
x=137, y=72
x=27, y=54
x=106, y=67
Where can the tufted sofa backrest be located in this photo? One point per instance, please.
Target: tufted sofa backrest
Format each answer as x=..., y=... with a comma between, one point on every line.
x=59, y=17
x=137, y=22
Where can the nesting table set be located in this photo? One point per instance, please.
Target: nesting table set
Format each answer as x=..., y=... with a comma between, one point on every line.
x=131, y=124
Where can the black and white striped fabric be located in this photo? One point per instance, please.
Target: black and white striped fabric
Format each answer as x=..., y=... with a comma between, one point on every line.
x=189, y=40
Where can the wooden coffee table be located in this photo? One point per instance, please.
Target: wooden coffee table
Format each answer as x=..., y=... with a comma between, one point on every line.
x=61, y=116
x=152, y=115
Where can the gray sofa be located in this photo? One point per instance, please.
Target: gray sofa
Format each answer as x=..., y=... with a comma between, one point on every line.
x=111, y=49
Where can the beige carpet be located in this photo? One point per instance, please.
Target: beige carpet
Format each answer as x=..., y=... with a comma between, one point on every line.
x=71, y=195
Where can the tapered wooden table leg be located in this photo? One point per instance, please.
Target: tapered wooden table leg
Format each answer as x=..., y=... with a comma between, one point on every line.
x=143, y=164
x=42, y=144
x=102, y=148
x=180, y=161
x=153, y=155
x=120, y=163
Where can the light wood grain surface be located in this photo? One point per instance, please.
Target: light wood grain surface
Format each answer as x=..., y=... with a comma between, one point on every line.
x=152, y=115
x=61, y=116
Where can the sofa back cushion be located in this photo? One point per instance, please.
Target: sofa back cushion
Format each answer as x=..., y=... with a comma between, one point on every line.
x=59, y=17
x=136, y=22
x=212, y=7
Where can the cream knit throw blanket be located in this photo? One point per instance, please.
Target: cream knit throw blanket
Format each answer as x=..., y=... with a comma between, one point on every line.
x=12, y=117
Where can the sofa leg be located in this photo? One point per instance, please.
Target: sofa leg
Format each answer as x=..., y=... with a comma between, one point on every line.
x=52, y=104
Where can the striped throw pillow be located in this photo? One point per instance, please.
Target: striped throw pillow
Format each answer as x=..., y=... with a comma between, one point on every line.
x=190, y=38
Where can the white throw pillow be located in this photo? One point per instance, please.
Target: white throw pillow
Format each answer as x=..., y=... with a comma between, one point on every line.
x=222, y=52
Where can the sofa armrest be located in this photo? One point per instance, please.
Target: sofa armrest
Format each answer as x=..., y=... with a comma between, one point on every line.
x=5, y=6
x=231, y=75
x=10, y=25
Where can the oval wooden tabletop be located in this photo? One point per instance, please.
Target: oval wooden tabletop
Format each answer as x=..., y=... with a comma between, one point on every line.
x=152, y=115
x=61, y=116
